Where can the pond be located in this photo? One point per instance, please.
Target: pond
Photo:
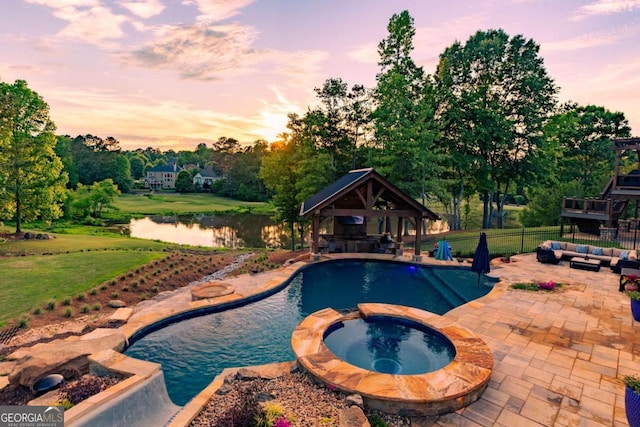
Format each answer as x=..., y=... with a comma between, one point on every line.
x=231, y=231
x=215, y=231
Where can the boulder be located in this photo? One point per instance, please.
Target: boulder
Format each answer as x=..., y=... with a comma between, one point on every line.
x=116, y=303
x=69, y=354
x=355, y=399
x=353, y=417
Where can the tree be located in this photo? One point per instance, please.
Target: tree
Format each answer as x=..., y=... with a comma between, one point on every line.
x=31, y=176
x=581, y=137
x=93, y=200
x=184, y=182
x=405, y=128
x=495, y=96
x=293, y=170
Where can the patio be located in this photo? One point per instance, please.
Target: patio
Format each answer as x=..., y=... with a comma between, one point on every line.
x=559, y=357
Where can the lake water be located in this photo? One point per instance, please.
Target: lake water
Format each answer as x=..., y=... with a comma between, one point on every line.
x=232, y=231
x=215, y=231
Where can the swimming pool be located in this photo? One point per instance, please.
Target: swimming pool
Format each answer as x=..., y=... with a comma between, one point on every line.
x=192, y=352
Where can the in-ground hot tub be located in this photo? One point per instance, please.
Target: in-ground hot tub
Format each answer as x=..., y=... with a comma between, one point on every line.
x=382, y=385
x=389, y=345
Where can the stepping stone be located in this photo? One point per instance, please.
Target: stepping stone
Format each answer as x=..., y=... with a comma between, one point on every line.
x=121, y=314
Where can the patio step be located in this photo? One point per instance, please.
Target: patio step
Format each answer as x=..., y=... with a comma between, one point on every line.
x=443, y=289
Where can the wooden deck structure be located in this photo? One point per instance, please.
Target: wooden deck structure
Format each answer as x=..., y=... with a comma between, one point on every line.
x=351, y=202
x=604, y=212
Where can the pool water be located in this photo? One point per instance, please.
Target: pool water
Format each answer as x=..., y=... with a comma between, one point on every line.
x=389, y=346
x=193, y=351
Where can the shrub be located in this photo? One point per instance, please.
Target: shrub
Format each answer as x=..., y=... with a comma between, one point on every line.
x=376, y=421
x=37, y=311
x=51, y=304
x=103, y=287
x=115, y=295
x=125, y=289
x=68, y=312
x=134, y=285
x=23, y=322
x=66, y=301
x=81, y=297
x=155, y=289
x=85, y=308
x=144, y=297
x=93, y=291
x=96, y=307
x=633, y=382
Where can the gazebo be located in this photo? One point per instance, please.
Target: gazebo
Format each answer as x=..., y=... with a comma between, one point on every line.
x=351, y=202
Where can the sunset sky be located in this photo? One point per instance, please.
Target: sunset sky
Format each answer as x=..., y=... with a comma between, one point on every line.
x=174, y=73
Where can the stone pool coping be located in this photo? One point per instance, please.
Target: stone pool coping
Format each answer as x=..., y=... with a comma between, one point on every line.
x=247, y=288
x=458, y=384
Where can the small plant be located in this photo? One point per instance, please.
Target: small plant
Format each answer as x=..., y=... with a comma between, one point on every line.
x=271, y=414
x=376, y=421
x=635, y=295
x=122, y=278
x=65, y=403
x=37, y=311
x=103, y=287
x=66, y=301
x=155, y=289
x=85, y=308
x=96, y=307
x=112, y=283
x=68, y=312
x=51, y=304
x=81, y=297
x=633, y=382
x=93, y=291
x=23, y=322
x=115, y=295
x=144, y=297
x=125, y=289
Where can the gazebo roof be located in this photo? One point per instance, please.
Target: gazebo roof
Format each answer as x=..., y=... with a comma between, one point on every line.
x=364, y=192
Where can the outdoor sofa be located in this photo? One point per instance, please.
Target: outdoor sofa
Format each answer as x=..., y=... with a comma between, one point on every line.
x=552, y=251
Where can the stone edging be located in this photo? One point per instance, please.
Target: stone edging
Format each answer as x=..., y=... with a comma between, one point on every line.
x=456, y=385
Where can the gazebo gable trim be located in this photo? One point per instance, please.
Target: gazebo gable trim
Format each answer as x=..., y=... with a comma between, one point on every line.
x=352, y=185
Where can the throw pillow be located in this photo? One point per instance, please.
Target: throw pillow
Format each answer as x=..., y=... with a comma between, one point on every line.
x=624, y=255
x=555, y=246
x=581, y=249
x=596, y=251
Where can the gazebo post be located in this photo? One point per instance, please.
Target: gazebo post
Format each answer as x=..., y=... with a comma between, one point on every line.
x=417, y=246
x=315, y=232
x=399, y=237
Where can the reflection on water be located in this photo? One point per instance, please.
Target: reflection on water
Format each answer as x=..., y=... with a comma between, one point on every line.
x=216, y=231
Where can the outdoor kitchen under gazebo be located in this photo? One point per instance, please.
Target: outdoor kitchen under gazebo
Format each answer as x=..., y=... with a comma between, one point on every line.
x=350, y=203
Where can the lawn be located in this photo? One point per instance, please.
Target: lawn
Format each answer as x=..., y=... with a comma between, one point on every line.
x=63, y=243
x=31, y=281
x=175, y=203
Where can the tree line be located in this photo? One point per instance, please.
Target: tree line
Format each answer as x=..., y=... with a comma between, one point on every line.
x=485, y=124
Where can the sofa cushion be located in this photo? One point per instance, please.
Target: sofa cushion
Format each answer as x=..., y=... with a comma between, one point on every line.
x=624, y=255
x=555, y=246
x=595, y=250
x=607, y=252
x=570, y=247
x=582, y=249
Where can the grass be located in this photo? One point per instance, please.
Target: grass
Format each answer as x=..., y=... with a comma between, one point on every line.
x=174, y=203
x=77, y=243
x=37, y=281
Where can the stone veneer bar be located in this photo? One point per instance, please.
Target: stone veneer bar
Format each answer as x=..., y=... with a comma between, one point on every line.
x=456, y=385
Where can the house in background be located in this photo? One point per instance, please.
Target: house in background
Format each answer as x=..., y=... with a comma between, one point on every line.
x=205, y=178
x=162, y=177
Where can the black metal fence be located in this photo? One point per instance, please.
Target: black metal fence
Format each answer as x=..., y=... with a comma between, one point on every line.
x=513, y=241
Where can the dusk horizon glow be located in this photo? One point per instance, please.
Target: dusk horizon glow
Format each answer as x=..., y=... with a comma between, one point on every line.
x=173, y=74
